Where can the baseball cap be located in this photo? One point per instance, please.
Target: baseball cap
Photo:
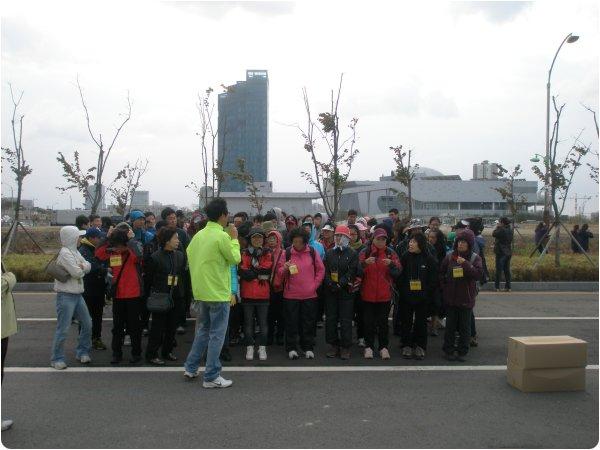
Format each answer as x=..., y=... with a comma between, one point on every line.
x=94, y=233
x=380, y=232
x=135, y=215
x=327, y=227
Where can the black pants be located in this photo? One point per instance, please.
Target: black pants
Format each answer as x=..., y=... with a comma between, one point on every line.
x=339, y=307
x=413, y=318
x=457, y=319
x=162, y=331
x=4, y=350
x=300, y=323
x=396, y=322
x=321, y=310
x=261, y=309
x=275, y=316
x=126, y=314
x=358, y=316
x=184, y=311
x=236, y=316
x=375, y=316
x=503, y=266
x=95, y=305
x=473, y=329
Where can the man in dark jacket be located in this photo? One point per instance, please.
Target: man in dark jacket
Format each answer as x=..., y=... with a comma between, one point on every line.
x=341, y=266
x=459, y=273
x=503, y=234
x=94, y=284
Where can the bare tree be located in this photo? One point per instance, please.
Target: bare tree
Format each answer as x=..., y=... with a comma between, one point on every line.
x=560, y=178
x=593, y=167
x=124, y=191
x=243, y=176
x=16, y=160
x=329, y=175
x=513, y=200
x=83, y=179
x=405, y=172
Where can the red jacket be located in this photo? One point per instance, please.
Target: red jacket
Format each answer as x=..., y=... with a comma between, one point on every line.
x=130, y=283
x=377, y=278
x=255, y=280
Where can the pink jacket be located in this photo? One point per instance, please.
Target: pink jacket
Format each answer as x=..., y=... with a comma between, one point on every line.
x=304, y=284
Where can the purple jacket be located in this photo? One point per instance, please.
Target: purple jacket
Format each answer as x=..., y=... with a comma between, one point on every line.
x=461, y=292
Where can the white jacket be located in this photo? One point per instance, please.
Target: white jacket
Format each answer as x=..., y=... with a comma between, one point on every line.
x=71, y=260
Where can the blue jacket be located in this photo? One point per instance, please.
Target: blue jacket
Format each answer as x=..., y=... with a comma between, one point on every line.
x=235, y=285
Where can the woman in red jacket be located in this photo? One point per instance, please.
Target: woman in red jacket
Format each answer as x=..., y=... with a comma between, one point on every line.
x=380, y=267
x=124, y=255
x=255, y=289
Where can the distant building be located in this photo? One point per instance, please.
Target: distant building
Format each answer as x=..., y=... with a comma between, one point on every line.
x=9, y=203
x=485, y=170
x=141, y=199
x=243, y=128
x=91, y=194
x=296, y=203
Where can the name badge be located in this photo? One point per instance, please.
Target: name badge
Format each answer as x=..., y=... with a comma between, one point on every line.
x=457, y=272
x=415, y=285
x=294, y=269
x=334, y=277
x=115, y=261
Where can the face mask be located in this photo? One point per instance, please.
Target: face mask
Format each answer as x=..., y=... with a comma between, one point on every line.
x=344, y=242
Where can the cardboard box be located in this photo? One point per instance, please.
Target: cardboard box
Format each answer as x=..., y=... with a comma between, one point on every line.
x=547, y=352
x=546, y=380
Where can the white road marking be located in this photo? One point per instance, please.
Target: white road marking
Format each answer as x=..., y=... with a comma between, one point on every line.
x=454, y=368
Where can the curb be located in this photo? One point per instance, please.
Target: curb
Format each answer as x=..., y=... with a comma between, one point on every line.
x=518, y=286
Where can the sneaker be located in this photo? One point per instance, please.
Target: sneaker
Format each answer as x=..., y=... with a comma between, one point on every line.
x=345, y=354
x=384, y=353
x=156, y=362
x=145, y=332
x=190, y=376
x=361, y=342
x=419, y=353
x=497, y=289
x=97, y=344
x=6, y=424
x=407, y=352
x=59, y=365
x=333, y=351
x=310, y=355
x=293, y=354
x=127, y=341
x=473, y=342
x=368, y=353
x=262, y=353
x=180, y=330
x=249, y=353
x=442, y=324
x=218, y=382
x=85, y=359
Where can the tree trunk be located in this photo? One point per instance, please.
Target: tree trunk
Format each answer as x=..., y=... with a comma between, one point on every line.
x=410, y=211
x=18, y=204
x=557, y=247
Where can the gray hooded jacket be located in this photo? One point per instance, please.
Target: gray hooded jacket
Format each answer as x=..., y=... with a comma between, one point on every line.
x=71, y=260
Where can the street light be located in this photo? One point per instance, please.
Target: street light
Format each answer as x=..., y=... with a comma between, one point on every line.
x=570, y=38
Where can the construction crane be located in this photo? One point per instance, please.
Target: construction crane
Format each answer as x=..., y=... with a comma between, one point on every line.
x=585, y=198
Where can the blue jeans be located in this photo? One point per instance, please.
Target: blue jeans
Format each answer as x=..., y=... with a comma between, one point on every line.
x=67, y=307
x=503, y=265
x=211, y=326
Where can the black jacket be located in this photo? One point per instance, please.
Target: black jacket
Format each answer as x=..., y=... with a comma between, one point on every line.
x=159, y=266
x=418, y=266
x=345, y=263
x=93, y=282
x=504, y=237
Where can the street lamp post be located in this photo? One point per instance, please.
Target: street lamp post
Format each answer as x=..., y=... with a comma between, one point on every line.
x=568, y=39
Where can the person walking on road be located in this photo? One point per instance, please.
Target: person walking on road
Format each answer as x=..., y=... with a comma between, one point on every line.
x=503, y=234
x=69, y=301
x=210, y=254
x=9, y=322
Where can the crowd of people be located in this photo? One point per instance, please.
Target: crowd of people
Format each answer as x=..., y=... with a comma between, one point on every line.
x=581, y=236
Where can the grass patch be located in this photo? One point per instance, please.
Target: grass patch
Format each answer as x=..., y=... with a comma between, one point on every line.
x=572, y=268
x=29, y=267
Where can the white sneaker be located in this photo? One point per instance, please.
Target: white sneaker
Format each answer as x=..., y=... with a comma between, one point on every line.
x=127, y=341
x=6, y=424
x=262, y=353
x=368, y=353
x=384, y=353
x=310, y=355
x=190, y=376
x=218, y=382
x=293, y=354
x=60, y=365
x=249, y=353
x=361, y=342
x=85, y=359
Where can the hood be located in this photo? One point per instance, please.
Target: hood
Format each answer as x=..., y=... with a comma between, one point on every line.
x=69, y=236
x=278, y=214
x=467, y=235
x=277, y=235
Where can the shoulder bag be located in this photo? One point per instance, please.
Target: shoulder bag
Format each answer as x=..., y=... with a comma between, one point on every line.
x=57, y=272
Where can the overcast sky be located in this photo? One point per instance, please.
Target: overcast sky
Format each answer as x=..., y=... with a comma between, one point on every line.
x=458, y=82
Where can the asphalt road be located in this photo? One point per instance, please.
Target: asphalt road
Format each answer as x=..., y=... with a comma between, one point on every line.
x=304, y=403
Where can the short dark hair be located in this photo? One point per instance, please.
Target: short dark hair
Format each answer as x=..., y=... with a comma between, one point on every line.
x=149, y=213
x=106, y=222
x=318, y=215
x=179, y=213
x=245, y=228
x=352, y=212
x=269, y=216
x=94, y=217
x=215, y=209
x=241, y=214
x=372, y=222
x=435, y=218
x=505, y=221
x=258, y=218
x=81, y=221
x=160, y=224
x=166, y=212
x=164, y=235
x=421, y=241
x=299, y=232
x=118, y=237
x=393, y=210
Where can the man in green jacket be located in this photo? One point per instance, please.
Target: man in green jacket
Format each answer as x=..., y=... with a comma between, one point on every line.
x=210, y=254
